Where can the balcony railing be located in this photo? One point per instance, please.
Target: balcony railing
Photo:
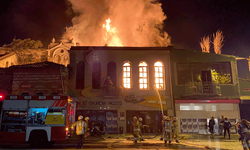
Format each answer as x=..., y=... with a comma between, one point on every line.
x=202, y=88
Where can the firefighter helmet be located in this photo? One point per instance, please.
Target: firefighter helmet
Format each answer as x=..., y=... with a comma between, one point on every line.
x=86, y=118
x=80, y=117
x=168, y=118
x=140, y=119
x=164, y=117
x=134, y=118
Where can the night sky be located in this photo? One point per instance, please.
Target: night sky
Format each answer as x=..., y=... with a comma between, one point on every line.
x=187, y=22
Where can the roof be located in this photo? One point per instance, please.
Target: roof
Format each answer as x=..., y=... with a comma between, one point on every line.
x=6, y=55
x=119, y=48
x=44, y=64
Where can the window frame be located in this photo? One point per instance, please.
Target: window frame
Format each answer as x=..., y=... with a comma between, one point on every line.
x=147, y=77
x=163, y=75
x=130, y=74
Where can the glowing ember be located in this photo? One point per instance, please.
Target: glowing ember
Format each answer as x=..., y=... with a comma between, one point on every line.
x=111, y=38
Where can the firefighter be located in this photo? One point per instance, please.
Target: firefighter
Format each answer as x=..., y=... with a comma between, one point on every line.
x=136, y=129
x=167, y=129
x=86, y=120
x=162, y=123
x=141, y=127
x=80, y=130
x=175, y=130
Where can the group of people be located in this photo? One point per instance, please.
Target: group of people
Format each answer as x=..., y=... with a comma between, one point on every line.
x=224, y=126
x=242, y=127
x=81, y=130
x=137, y=128
x=169, y=129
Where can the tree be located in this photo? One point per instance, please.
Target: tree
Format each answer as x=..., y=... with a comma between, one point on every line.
x=205, y=44
x=218, y=41
x=23, y=50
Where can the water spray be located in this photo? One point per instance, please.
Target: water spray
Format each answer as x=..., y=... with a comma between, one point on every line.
x=157, y=91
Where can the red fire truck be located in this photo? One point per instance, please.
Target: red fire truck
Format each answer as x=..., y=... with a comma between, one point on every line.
x=36, y=119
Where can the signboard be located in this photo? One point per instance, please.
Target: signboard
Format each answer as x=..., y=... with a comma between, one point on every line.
x=37, y=80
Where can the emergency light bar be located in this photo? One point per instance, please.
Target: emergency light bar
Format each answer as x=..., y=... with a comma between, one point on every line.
x=22, y=97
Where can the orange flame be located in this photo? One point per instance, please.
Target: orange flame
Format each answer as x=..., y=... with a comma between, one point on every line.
x=111, y=37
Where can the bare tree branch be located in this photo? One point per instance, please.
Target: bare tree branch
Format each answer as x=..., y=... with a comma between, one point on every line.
x=205, y=44
x=218, y=41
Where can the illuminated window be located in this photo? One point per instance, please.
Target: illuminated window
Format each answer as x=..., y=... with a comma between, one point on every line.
x=127, y=75
x=143, y=75
x=159, y=76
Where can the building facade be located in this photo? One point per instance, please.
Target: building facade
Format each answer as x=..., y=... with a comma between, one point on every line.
x=8, y=59
x=204, y=85
x=139, y=77
x=149, y=82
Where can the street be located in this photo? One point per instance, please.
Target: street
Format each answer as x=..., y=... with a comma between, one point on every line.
x=152, y=142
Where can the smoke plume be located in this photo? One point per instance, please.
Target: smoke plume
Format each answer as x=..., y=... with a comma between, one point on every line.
x=131, y=23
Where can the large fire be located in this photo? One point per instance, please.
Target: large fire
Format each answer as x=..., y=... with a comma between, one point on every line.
x=111, y=36
x=117, y=23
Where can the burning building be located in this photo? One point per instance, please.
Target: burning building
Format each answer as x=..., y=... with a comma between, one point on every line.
x=113, y=84
x=125, y=66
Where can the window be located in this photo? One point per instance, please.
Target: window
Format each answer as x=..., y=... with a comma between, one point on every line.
x=80, y=70
x=192, y=72
x=127, y=75
x=96, y=75
x=143, y=75
x=111, y=71
x=159, y=77
x=7, y=64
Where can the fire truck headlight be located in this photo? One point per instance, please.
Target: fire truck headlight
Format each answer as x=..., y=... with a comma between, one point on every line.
x=67, y=129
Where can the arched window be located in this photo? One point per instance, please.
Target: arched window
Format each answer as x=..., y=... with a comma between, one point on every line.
x=111, y=71
x=159, y=75
x=127, y=75
x=7, y=64
x=80, y=70
x=143, y=75
x=96, y=75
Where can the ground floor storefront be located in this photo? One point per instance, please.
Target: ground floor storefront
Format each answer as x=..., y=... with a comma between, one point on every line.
x=194, y=115
x=116, y=115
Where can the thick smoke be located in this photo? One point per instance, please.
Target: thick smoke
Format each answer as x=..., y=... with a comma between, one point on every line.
x=134, y=22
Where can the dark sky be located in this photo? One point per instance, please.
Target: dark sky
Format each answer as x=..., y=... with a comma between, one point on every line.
x=187, y=22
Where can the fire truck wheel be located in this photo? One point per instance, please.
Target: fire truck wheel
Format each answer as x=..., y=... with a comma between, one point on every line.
x=38, y=138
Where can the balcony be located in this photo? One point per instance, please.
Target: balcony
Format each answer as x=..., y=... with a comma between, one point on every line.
x=202, y=88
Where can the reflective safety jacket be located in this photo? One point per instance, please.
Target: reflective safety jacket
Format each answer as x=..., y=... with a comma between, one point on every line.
x=136, y=126
x=175, y=125
x=80, y=127
x=168, y=126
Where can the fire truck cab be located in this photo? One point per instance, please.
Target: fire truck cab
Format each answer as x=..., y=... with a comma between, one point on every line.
x=36, y=119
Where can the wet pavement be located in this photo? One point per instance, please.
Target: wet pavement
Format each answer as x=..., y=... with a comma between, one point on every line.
x=125, y=141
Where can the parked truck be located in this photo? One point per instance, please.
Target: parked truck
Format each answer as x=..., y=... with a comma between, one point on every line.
x=37, y=120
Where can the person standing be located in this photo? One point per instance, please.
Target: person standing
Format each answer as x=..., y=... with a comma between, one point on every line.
x=80, y=130
x=136, y=129
x=227, y=126
x=167, y=130
x=175, y=130
x=86, y=121
x=141, y=128
x=211, y=127
x=221, y=124
x=162, y=123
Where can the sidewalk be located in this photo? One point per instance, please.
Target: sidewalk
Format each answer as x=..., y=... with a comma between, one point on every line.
x=187, y=141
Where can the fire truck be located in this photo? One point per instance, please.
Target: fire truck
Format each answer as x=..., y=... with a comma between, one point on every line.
x=36, y=119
